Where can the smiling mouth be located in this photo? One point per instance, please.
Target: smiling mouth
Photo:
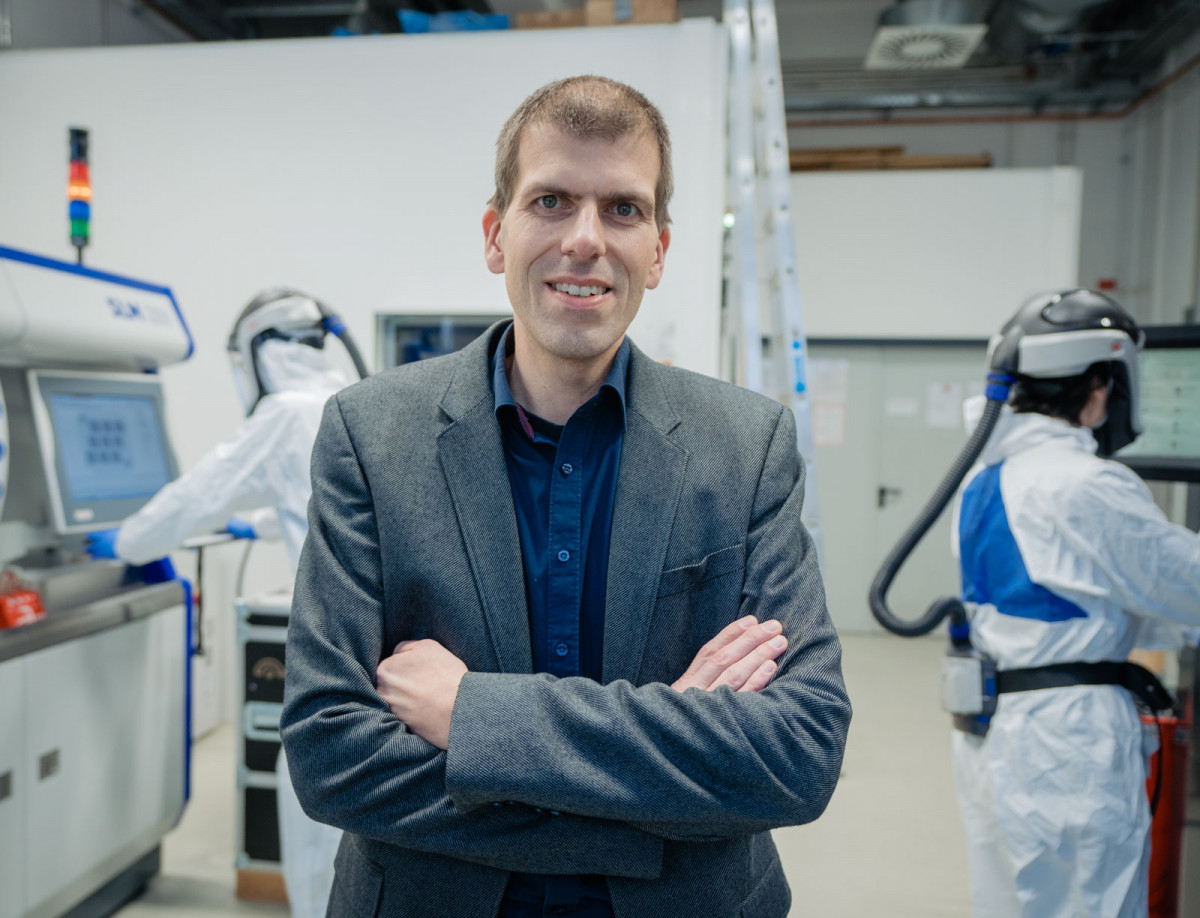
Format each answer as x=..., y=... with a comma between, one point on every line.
x=581, y=292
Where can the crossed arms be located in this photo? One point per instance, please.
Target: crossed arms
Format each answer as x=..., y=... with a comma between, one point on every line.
x=601, y=774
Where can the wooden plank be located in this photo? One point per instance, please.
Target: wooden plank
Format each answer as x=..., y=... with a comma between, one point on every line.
x=261, y=886
x=940, y=161
x=645, y=12
x=810, y=161
x=550, y=19
x=818, y=152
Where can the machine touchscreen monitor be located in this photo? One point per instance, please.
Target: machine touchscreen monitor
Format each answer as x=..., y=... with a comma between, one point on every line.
x=1169, y=403
x=103, y=444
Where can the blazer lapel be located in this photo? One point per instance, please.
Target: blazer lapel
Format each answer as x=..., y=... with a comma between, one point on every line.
x=472, y=458
x=649, y=481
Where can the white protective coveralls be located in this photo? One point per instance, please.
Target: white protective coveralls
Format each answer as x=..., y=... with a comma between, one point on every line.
x=1067, y=559
x=264, y=464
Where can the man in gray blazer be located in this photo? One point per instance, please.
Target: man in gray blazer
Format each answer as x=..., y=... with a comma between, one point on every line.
x=559, y=642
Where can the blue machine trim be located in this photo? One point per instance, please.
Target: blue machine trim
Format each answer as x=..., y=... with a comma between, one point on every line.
x=41, y=261
x=187, y=690
x=335, y=325
x=992, y=568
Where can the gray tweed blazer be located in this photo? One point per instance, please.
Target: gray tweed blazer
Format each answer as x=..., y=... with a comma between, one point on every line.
x=670, y=796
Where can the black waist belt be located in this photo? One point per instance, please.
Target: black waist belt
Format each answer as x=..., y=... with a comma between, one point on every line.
x=1138, y=680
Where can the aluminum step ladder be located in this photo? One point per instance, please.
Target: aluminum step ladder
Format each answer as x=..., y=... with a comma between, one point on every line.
x=763, y=344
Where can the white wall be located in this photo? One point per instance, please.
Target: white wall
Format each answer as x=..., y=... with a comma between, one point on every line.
x=1094, y=146
x=932, y=254
x=356, y=169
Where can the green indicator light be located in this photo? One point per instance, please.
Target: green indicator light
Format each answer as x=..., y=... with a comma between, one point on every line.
x=79, y=228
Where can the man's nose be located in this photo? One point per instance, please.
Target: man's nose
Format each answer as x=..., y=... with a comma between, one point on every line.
x=585, y=233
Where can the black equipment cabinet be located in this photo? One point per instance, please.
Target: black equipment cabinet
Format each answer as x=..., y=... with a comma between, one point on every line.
x=262, y=638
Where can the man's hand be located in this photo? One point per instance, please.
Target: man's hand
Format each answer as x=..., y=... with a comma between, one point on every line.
x=419, y=681
x=741, y=656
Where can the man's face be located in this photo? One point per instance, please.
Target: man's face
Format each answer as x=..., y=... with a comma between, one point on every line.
x=578, y=245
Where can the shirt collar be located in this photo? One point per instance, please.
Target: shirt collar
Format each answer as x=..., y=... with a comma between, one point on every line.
x=615, y=380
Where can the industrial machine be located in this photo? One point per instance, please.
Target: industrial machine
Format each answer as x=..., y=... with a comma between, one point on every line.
x=94, y=671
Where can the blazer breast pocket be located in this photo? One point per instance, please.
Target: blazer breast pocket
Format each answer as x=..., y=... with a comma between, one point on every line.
x=710, y=567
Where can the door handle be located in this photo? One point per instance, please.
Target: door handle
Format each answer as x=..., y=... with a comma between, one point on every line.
x=883, y=493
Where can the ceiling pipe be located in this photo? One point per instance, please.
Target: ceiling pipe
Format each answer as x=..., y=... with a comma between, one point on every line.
x=1117, y=115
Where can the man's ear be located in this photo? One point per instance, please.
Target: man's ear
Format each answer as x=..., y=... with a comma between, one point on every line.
x=492, y=252
x=656, y=269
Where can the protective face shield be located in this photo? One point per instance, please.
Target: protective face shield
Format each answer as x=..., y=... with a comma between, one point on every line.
x=278, y=313
x=1056, y=336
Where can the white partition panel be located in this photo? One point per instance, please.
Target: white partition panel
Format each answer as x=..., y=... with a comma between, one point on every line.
x=937, y=254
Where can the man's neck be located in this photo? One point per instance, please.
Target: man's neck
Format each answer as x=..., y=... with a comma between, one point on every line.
x=553, y=388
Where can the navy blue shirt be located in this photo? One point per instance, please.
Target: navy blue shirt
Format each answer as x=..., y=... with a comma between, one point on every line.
x=563, y=481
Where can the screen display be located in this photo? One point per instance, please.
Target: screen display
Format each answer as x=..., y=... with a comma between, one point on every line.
x=1169, y=393
x=110, y=446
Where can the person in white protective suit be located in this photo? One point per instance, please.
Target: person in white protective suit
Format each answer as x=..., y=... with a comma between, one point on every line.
x=1065, y=558
x=284, y=377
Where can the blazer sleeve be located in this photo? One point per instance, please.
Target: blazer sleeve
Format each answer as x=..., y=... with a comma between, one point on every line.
x=353, y=764
x=688, y=765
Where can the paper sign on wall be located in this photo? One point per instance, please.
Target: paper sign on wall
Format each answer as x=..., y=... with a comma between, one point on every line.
x=829, y=380
x=943, y=405
x=829, y=389
x=829, y=424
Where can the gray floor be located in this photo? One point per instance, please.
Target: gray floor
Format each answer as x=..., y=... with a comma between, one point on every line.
x=889, y=844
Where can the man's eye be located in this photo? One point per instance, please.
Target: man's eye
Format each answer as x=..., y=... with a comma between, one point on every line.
x=549, y=201
x=625, y=210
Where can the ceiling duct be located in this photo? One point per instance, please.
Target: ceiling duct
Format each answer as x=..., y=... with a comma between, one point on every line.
x=1048, y=17
x=926, y=34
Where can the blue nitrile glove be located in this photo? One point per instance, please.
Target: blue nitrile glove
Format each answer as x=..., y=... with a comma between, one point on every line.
x=102, y=543
x=240, y=529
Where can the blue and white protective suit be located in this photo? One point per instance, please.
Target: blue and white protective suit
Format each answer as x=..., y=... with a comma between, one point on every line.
x=1065, y=558
x=265, y=464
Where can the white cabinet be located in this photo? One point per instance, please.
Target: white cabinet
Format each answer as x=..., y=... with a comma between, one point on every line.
x=93, y=730
x=13, y=784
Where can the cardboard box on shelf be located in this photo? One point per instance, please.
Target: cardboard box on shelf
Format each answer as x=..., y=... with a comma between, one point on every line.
x=645, y=12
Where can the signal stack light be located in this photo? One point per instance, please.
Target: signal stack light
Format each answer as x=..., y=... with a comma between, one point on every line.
x=79, y=190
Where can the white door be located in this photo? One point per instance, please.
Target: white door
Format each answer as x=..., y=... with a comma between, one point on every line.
x=888, y=424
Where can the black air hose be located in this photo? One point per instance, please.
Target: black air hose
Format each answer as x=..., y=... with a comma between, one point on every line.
x=334, y=324
x=997, y=396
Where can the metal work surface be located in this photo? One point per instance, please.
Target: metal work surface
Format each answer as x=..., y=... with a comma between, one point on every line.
x=67, y=624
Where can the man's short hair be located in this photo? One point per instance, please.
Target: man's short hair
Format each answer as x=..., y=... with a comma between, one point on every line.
x=587, y=107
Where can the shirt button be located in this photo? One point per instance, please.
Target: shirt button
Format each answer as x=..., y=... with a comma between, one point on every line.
x=562, y=650
x=564, y=555
x=566, y=468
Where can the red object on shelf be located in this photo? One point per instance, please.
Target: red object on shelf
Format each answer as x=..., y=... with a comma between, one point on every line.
x=20, y=607
x=1166, y=831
